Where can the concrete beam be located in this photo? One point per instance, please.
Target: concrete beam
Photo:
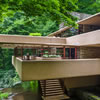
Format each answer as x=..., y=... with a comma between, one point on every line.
x=87, y=39
x=86, y=81
x=22, y=40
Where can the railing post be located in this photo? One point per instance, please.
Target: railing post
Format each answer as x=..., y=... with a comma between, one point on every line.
x=70, y=53
x=22, y=53
x=48, y=51
x=42, y=51
x=75, y=53
x=64, y=52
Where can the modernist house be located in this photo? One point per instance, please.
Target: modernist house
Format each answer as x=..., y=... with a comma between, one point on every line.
x=58, y=63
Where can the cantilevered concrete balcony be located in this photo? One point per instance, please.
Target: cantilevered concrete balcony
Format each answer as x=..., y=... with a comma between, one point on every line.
x=53, y=69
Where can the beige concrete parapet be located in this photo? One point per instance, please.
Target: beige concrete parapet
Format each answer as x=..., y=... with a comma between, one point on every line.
x=52, y=69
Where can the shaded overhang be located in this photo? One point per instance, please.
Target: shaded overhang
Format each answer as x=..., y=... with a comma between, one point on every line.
x=89, y=39
x=92, y=20
x=60, y=31
x=12, y=41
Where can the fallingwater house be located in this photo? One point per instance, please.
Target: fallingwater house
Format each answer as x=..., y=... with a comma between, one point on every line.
x=59, y=63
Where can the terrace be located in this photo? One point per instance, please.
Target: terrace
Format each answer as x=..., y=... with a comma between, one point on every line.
x=51, y=57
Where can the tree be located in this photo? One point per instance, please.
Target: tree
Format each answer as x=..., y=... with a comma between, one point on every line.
x=19, y=24
x=89, y=6
x=59, y=10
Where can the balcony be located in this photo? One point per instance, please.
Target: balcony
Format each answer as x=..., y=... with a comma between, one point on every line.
x=52, y=69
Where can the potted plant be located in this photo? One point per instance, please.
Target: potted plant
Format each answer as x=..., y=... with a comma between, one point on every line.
x=51, y=57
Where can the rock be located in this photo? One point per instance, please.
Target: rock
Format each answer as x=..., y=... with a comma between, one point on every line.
x=87, y=95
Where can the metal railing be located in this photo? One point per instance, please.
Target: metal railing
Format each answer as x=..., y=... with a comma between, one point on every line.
x=30, y=53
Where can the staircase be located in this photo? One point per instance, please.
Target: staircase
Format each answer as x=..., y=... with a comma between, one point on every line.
x=52, y=90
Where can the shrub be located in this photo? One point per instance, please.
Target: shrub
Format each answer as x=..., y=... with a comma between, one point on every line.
x=3, y=95
x=35, y=34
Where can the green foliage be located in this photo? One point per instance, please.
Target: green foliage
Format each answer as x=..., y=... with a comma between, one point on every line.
x=3, y=95
x=8, y=78
x=5, y=58
x=15, y=24
x=51, y=56
x=89, y=6
x=35, y=34
x=20, y=24
x=30, y=85
x=16, y=78
x=44, y=25
x=59, y=10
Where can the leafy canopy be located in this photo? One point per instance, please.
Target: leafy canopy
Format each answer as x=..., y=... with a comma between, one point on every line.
x=59, y=10
x=89, y=6
x=20, y=24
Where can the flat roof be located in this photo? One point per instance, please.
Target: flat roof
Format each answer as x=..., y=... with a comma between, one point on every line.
x=91, y=20
x=91, y=39
x=59, y=31
x=12, y=41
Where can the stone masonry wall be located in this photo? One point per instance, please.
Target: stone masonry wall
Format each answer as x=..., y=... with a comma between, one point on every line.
x=88, y=52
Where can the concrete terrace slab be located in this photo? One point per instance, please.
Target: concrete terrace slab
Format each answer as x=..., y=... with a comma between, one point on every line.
x=53, y=69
